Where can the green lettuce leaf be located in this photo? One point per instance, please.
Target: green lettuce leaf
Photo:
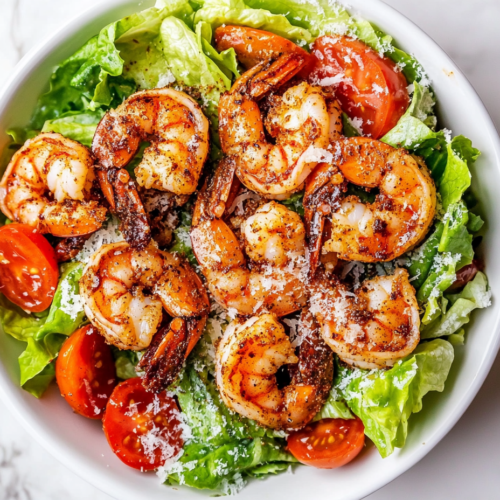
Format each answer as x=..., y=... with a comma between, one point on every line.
x=385, y=400
x=422, y=258
x=76, y=125
x=417, y=124
x=456, y=238
x=295, y=203
x=223, y=447
x=44, y=333
x=475, y=295
x=222, y=468
x=334, y=407
x=218, y=12
x=40, y=383
x=183, y=51
x=456, y=177
x=125, y=363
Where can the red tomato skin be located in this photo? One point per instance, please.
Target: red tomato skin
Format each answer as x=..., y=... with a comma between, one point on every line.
x=132, y=407
x=359, y=99
x=28, y=267
x=310, y=445
x=85, y=372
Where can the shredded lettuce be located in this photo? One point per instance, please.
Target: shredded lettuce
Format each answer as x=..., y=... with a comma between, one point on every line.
x=384, y=400
x=44, y=333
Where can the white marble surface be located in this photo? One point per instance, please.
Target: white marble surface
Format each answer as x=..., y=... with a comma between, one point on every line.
x=466, y=463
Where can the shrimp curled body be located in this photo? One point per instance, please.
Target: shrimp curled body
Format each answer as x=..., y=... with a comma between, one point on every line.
x=372, y=328
x=269, y=277
x=300, y=121
x=48, y=184
x=125, y=290
x=176, y=128
x=247, y=359
x=396, y=221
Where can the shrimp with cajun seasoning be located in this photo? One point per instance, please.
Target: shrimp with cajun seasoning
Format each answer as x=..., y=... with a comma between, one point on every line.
x=124, y=292
x=299, y=120
x=270, y=276
x=373, y=327
x=48, y=185
x=177, y=130
x=248, y=358
x=253, y=46
x=394, y=223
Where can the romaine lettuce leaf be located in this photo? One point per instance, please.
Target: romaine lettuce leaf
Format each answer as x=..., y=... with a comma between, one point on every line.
x=456, y=238
x=334, y=407
x=421, y=259
x=76, y=125
x=218, y=12
x=222, y=468
x=44, y=333
x=456, y=176
x=224, y=447
x=475, y=295
x=385, y=400
x=125, y=363
x=417, y=124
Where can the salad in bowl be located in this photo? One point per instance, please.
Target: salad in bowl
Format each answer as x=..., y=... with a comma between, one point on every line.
x=236, y=234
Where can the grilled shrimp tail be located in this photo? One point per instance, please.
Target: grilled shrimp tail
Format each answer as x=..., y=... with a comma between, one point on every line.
x=323, y=193
x=123, y=198
x=171, y=345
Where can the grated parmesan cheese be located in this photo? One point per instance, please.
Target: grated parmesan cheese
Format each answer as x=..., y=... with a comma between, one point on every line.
x=109, y=233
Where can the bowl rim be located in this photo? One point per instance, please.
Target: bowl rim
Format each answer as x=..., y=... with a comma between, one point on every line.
x=60, y=449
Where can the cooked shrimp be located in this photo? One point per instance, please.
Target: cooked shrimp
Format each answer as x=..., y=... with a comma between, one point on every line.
x=401, y=214
x=248, y=358
x=373, y=327
x=299, y=121
x=124, y=200
x=253, y=46
x=175, y=126
x=124, y=292
x=48, y=184
x=274, y=242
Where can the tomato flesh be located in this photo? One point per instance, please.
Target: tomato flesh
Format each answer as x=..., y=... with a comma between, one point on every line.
x=142, y=428
x=28, y=267
x=371, y=89
x=85, y=372
x=328, y=443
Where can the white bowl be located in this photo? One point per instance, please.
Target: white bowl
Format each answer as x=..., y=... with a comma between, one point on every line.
x=80, y=444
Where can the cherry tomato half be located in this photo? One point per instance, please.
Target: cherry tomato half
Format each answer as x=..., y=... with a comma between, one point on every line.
x=85, y=372
x=369, y=87
x=28, y=267
x=142, y=428
x=328, y=443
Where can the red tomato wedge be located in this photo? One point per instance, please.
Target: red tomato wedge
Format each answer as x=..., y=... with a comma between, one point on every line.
x=142, y=428
x=328, y=443
x=85, y=372
x=253, y=46
x=370, y=88
x=28, y=267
